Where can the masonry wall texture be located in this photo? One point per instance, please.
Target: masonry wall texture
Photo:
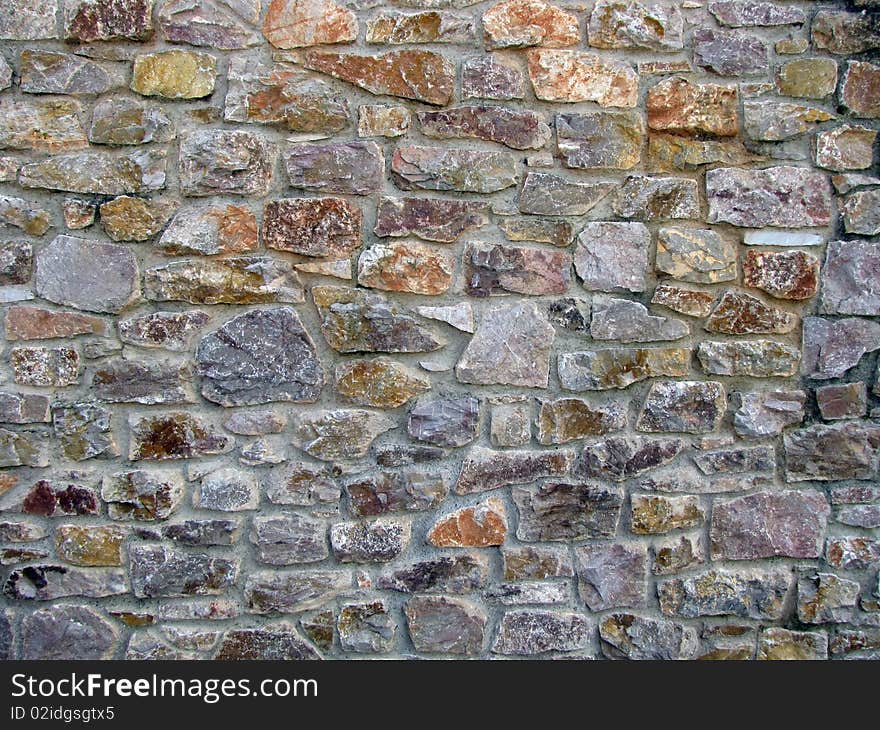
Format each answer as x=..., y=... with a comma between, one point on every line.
x=439, y=328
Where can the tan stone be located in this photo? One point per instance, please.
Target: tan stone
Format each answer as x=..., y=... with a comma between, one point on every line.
x=691, y=302
x=658, y=514
x=90, y=546
x=482, y=525
x=808, y=78
x=174, y=74
x=846, y=148
x=668, y=152
x=573, y=76
x=529, y=23
x=677, y=105
x=300, y=23
x=135, y=219
x=378, y=120
x=405, y=267
x=379, y=383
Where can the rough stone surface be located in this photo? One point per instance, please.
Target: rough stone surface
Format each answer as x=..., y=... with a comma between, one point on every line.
x=482, y=525
x=619, y=367
x=677, y=105
x=611, y=256
x=536, y=632
x=558, y=511
x=685, y=406
x=217, y=162
x=574, y=76
x=461, y=170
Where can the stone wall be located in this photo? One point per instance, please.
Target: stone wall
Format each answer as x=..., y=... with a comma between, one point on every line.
x=439, y=328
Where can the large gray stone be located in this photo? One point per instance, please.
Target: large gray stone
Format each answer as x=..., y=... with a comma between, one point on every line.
x=64, y=632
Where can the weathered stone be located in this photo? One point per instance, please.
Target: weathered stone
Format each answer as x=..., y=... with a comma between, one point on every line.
x=355, y=168
x=378, y=541
x=848, y=400
x=849, y=281
x=273, y=642
x=461, y=170
x=516, y=129
x=135, y=219
x=407, y=491
x=677, y=105
x=845, y=33
x=46, y=500
x=379, y=383
x=692, y=302
x=445, y=625
x=569, y=313
x=126, y=122
x=353, y=320
x=738, y=313
x=22, y=449
x=847, y=147
x=750, y=13
x=774, y=121
x=765, y=524
x=510, y=424
x=66, y=632
x=302, y=485
x=607, y=140
x=729, y=54
x=566, y=512
x=175, y=435
x=858, y=92
x=174, y=74
x=16, y=262
x=754, y=358
x=826, y=598
x=45, y=126
x=625, y=636
x=737, y=460
x=782, y=644
x=98, y=173
x=22, y=531
x=45, y=366
x=336, y=269
x=432, y=219
x=379, y=120
x=831, y=347
x=658, y=514
x=405, y=267
x=5, y=74
x=862, y=644
x=227, y=490
x=485, y=469
x=237, y=368
x=312, y=226
x=675, y=556
x=848, y=450
x=628, y=321
x=535, y=563
x=496, y=268
x=283, y=97
x=211, y=23
x=619, y=367
x=569, y=419
x=158, y=571
x=279, y=592
x=859, y=211
x=22, y=20
x=748, y=594
x=657, y=198
x=410, y=74
x=52, y=72
x=518, y=23
x=320, y=627
x=530, y=632
x=23, y=408
x=87, y=21
x=611, y=256
x=611, y=575
x=460, y=316
x=543, y=193
x=525, y=358
x=366, y=627
x=289, y=539
x=90, y=546
x=573, y=76
x=166, y=330
x=558, y=232
x=83, y=430
x=96, y=277
x=24, y=215
x=209, y=231
x=445, y=421
x=454, y=574
x=233, y=280
x=35, y=323
x=852, y=553
x=230, y=162
x=203, y=532
x=685, y=406
x=614, y=24
x=482, y=525
x=768, y=413
x=488, y=77
x=299, y=23
x=807, y=78
x=48, y=582
x=621, y=458
x=782, y=274
x=667, y=153
x=339, y=433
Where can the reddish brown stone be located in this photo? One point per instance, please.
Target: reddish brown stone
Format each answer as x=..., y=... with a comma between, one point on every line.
x=482, y=525
x=299, y=23
x=782, y=274
x=46, y=500
x=405, y=267
x=572, y=76
x=106, y=20
x=691, y=302
x=519, y=130
x=678, y=105
x=860, y=91
x=34, y=323
x=410, y=74
x=432, y=219
x=739, y=313
x=529, y=23
x=328, y=227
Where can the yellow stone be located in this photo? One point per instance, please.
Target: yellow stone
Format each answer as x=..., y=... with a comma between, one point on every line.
x=175, y=74
x=90, y=546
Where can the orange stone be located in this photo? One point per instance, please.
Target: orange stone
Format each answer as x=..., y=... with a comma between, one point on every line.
x=529, y=23
x=300, y=23
x=677, y=105
x=34, y=323
x=7, y=482
x=482, y=525
x=405, y=267
x=420, y=75
x=573, y=76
